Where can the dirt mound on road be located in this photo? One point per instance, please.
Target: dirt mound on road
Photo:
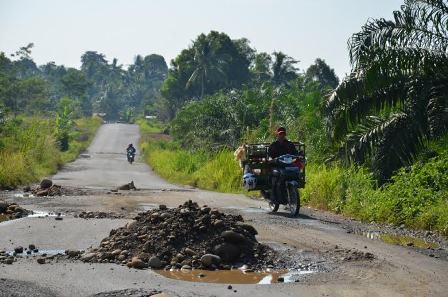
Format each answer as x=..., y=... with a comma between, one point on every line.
x=185, y=237
x=9, y=211
x=47, y=188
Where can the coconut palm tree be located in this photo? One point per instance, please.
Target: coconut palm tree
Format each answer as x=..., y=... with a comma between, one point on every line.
x=208, y=66
x=396, y=96
x=283, y=68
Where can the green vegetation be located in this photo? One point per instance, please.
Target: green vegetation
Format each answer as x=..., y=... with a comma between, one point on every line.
x=416, y=197
x=200, y=168
x=377, y=147
x=80, y=137
x=396, y=96
x=29, y=149
x=98, y=87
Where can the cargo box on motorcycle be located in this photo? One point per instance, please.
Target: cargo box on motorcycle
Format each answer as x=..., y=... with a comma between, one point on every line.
x=257, y=162
x=277, y=179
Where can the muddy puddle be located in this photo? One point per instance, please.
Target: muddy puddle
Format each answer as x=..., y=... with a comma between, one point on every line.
x=401, y=240
x=235, y=276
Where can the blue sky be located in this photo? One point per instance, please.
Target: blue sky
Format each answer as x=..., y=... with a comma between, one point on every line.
x=306, y=29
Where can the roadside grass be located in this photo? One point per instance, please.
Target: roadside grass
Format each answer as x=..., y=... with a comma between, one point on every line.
x=416, y=197
x=29, y=151
x=80, y=137
x=215, y=171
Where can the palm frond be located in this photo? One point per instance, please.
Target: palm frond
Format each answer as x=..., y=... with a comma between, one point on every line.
x=419, y=24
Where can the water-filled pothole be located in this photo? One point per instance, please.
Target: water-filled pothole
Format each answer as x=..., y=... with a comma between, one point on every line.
x=44, y=214
x=235, y=276
x=402, y=240
x=23, y=195
x=37, y=252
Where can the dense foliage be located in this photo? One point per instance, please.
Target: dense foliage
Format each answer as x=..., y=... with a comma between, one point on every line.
x=397, y=94
x=98, y=87
x=29, y=148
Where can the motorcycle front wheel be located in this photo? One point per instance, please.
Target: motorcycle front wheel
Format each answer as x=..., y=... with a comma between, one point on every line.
x=293, y=201
x=273, y=206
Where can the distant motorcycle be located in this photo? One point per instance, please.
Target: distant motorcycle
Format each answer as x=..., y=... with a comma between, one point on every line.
x=131, y=157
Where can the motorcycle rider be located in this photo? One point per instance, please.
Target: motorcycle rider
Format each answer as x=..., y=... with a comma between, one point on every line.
x=131, y=149
x=280, y=147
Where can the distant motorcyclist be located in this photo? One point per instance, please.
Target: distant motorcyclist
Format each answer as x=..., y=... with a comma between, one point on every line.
x=131, y=149
x=131, y=153
x=281, y=146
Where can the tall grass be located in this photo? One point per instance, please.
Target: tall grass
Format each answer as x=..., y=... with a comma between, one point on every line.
x=29, y=151
x=80, y=137
x=212, y=171
x=216, y=171
x=417, y=196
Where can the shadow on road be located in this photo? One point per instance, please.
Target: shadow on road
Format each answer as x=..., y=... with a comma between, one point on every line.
x=287, y=215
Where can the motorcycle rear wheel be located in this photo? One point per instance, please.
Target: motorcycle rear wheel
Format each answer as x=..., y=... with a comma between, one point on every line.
x=293, y=201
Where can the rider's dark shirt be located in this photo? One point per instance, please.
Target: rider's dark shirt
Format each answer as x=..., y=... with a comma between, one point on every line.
x=277, y=149
x=131, y=149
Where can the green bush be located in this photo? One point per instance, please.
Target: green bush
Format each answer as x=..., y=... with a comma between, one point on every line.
x=30, y=151
x=212, y=171
x=417, y=196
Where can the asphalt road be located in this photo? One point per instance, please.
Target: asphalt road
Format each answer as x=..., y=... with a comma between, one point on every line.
x=317, y=236
x=104, y=165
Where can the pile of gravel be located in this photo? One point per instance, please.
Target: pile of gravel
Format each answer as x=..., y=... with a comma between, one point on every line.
x=185, y=237
x=11, y=211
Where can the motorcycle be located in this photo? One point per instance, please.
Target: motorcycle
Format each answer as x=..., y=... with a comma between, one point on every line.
x=278, y=179
x=131, y=157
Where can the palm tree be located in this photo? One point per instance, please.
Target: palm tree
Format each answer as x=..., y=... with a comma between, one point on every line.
x=283, y=68
x=396, y=96
x=208, y=67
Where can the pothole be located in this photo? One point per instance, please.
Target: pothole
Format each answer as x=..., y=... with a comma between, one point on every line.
x=402, y=240
x=44, y=214
x=36, y=252
x=235, y=276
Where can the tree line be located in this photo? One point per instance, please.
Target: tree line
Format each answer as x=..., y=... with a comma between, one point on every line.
x=99, y=86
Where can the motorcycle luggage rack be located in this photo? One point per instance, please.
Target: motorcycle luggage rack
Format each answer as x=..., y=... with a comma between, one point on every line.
x=257, y=160
x=259, y=151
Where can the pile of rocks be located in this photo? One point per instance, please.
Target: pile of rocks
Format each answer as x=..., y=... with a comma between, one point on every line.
x=46, y=188
x=185, y=237
x=6, y=258
x=12, y=211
